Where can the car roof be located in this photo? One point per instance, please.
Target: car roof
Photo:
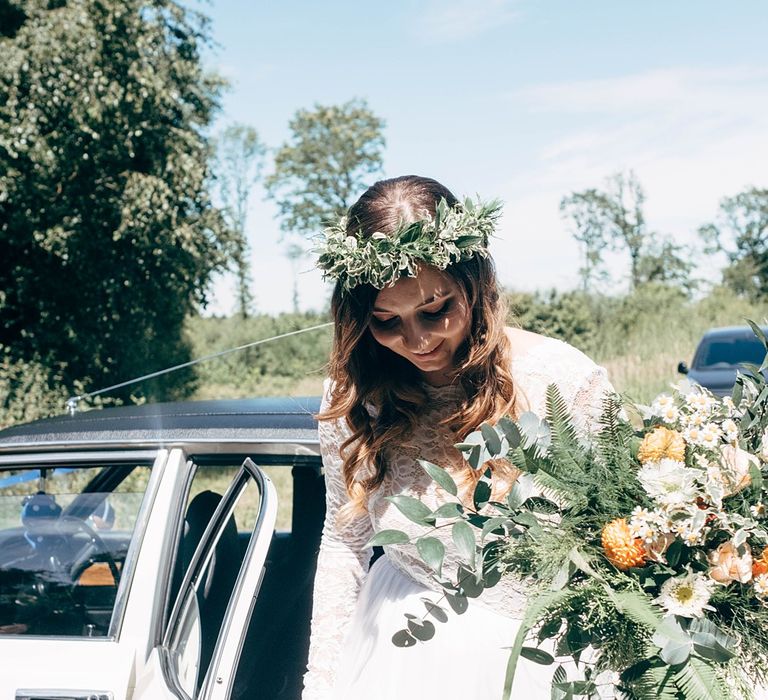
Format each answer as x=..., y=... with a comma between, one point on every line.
x=233, y=420
x=730, y=331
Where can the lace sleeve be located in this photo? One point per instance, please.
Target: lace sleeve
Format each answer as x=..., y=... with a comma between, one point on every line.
x=341, y=565
x=587, y=403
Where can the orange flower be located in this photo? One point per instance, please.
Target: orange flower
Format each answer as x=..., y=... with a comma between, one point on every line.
x=662, y=443
x=622, y=549
x=760, y=565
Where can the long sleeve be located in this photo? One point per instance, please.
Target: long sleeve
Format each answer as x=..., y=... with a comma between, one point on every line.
x=587, y=403
x=341, y=566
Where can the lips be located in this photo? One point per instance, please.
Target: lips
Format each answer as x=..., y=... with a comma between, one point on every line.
x=427, y=355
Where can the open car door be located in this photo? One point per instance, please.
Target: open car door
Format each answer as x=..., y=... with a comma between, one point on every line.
x=198, y=657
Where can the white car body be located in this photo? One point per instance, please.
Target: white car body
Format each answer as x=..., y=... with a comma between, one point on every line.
x=141, y=657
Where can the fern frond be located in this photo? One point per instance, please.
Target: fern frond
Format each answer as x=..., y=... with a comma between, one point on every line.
x=697, y=680
x=565, y=450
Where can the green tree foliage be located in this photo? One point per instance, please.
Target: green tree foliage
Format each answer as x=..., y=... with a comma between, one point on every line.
x=320, y=170
x=325, y=164
x=238, y=167
x=107, y=230
x=742, y=234
x=614, y=219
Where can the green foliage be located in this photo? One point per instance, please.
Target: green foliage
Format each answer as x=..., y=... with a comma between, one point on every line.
x=28, y=391
x=614, y=219
x=288, y=366
x=325, y=164
x=238, y=164
x=105, y=220
x=742, y=233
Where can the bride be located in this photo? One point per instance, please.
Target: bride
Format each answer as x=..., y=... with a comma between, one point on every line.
x=421, y=357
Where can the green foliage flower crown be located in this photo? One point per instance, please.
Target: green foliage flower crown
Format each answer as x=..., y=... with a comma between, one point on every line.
x=454, y=234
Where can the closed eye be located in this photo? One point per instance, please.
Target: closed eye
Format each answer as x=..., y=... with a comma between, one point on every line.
x=439, y=313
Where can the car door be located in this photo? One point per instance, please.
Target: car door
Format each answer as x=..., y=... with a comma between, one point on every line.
x=201, y=647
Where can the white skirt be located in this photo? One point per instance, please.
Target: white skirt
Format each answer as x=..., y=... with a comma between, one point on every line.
x=466, y=658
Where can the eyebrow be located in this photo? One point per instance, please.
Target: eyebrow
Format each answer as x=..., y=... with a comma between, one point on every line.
x=434, y=298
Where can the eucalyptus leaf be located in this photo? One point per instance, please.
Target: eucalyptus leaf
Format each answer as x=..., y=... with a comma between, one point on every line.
x=449, y=510
x=413, y=509
x=511, y=432
x=538, y=656
x=492, y=439
x=481, y=494
x=464, y=539
x=423, y=630
x=435, y=610
x=521, y=490
x=384, y=537
x=403, y=638
x=432, y=551
x=469, y=584
x=441, y=477
x=458, y=602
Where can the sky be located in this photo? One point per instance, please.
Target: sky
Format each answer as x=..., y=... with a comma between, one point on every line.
x=525, y=101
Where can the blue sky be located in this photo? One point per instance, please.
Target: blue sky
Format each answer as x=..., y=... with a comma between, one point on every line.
x=522, y=100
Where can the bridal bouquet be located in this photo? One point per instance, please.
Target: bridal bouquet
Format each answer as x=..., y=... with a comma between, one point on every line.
x=645, y=547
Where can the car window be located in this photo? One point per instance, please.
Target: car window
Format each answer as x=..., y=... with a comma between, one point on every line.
x=209, y=560
x=729, y=352
x=64, y=536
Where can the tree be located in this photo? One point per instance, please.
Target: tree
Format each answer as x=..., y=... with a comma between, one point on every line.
x=321, y=169
x=667, y=263
x=741, y=232
x=107, y=230
x=325, y=164
x=239, y=163
x=612, y=218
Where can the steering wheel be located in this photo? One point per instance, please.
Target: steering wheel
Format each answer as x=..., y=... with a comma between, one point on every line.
x=93, y=551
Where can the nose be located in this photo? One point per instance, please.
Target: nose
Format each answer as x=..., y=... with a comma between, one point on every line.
x=415, y=337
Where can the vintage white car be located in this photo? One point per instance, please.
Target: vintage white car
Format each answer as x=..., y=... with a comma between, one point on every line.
x=143, y=554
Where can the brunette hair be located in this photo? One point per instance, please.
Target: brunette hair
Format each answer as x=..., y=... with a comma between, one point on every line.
x=365, y=374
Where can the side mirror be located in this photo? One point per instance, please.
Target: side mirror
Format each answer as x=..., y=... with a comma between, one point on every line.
x=682, y=368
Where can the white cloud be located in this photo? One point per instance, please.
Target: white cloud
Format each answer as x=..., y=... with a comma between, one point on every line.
x=450, y=20
x=691, y=136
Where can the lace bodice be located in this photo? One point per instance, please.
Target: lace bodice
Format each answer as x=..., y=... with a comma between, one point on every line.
x=343, y=562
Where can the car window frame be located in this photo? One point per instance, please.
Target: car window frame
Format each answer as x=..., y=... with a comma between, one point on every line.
x=224, y=653
x=155, y=458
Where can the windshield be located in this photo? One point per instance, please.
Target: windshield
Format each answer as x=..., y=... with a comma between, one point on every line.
x=729, y=352
x=64, y=536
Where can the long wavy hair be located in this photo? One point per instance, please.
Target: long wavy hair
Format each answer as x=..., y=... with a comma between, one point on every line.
x=365, y=374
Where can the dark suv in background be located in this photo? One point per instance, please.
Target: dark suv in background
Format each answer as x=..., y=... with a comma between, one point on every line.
x=720, y=353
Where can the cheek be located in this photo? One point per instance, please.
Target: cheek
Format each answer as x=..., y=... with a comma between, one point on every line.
x=384, y=337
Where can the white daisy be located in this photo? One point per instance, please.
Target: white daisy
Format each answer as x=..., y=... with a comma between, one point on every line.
x=701, y=402
x=710, y=436
x=662, y=402
x=695, y=420
x=686, y=595
x=730, y=407
x=669, y=414
x=730, y=430
x=758, y=510
x=761, y=585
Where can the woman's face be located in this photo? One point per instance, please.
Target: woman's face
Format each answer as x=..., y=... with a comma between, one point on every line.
x=424, y=319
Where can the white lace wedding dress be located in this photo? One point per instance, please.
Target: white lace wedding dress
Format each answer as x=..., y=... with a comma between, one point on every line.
x=356, y=612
